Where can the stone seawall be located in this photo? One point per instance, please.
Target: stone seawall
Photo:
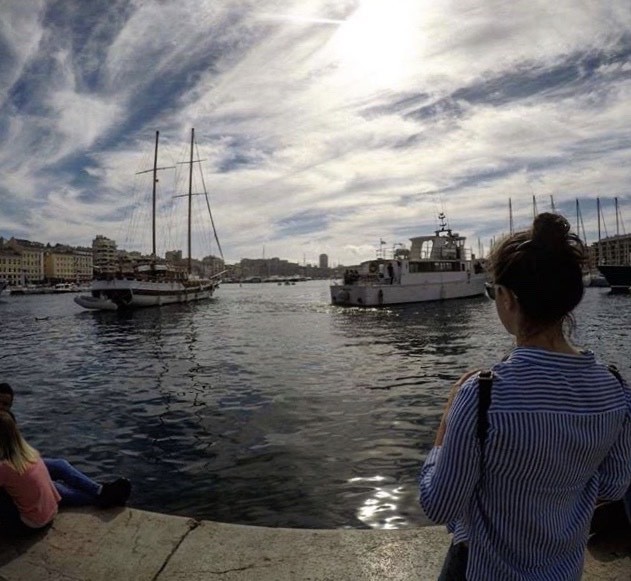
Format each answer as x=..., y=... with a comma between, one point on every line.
x=128, y=544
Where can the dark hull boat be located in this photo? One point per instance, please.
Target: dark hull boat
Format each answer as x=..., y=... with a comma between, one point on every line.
x=618, y=276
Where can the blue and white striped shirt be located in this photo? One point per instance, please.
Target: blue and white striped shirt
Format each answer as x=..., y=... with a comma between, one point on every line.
x=559, y=439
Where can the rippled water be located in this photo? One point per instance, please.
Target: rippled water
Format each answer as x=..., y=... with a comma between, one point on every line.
x=265, y=406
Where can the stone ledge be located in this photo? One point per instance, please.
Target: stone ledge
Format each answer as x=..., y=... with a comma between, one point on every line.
x=128, y=544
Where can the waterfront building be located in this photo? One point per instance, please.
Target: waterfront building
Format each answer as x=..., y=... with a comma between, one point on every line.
x=212, y=265
x=324, y=261
x=66, y=264
x=11, y=266
x=104, y=254
x=32, y=260
x=612, y=250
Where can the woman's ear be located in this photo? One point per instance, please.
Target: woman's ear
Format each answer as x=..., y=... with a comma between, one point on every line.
x=507, y=298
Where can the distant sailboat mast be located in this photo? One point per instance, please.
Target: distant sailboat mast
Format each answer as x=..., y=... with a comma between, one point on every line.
x=153, y=204
x=580, y=225
x=534, y=206
x=190, y=202
x=154, y=171
x=617, y=216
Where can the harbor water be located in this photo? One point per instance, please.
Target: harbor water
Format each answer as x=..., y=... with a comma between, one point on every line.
x=266, y=405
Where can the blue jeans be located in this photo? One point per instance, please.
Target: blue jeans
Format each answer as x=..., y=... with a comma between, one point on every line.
x=627, y=504
x=74, y=487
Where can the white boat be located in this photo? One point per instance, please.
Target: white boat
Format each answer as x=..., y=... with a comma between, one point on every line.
x=435, y=268
x=66, y=287
x=153, y=282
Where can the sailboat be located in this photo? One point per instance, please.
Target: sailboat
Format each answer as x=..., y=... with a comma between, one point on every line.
x=153, y=281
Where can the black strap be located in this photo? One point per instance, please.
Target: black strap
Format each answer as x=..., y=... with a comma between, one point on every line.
x=615, y=372
x=485, y=383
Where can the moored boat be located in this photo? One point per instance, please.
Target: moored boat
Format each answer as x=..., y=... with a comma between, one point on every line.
x=435, y=268
x=618, y=276
x=153, y=282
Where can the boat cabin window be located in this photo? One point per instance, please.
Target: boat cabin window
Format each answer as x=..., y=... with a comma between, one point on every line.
x=426, y=249
x=442, y=266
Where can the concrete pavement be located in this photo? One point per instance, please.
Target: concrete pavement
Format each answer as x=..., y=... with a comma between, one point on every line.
x=128, y=544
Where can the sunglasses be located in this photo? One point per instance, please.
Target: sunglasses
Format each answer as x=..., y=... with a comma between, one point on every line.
x=490, y=290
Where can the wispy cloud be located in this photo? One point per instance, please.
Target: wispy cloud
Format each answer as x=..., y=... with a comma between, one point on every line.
x=325, y=125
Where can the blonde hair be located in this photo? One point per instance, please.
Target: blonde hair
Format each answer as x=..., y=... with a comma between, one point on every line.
x=14, y=449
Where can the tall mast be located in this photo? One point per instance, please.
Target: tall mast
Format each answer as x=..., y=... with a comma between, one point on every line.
x=552, y=203
x=578, y=218
x=600, y=258
x=190, y=202
x=617, y=217
x=510, y=216
x=534, y=206
x=153, y=207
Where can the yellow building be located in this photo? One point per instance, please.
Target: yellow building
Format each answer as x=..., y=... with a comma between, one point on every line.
x=11, y=266
x=32, y=254
x=66, y=264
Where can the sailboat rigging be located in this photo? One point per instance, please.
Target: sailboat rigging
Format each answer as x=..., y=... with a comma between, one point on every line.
x=155, y=281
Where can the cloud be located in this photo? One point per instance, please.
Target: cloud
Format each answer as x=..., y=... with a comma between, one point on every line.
x=324, y=126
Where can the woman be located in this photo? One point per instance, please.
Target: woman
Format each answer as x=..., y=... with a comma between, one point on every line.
x=558, y=435
x=29, y=500
x=74, y=487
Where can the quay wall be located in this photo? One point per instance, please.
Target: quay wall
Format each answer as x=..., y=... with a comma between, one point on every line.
x=128, y=544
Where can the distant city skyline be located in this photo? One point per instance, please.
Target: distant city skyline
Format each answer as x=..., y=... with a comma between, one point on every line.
x=325, y=127
x=171, y=251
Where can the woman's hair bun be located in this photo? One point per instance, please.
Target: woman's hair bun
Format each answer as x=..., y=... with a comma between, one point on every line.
x=550, y=230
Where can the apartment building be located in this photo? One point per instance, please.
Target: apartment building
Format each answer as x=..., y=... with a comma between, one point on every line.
x=67, y=264
x=612, y=250
x=10, y=265
x=32, y=259
x=104, y=254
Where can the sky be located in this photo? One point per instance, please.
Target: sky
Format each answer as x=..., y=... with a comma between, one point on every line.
x=321, y=126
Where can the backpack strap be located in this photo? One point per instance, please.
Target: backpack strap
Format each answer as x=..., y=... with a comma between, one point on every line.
x=615, y=372
x=485, y=383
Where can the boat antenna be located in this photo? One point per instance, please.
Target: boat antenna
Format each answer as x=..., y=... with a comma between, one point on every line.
x=443, y=224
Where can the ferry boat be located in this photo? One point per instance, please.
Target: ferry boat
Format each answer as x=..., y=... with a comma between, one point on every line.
x=435, y=268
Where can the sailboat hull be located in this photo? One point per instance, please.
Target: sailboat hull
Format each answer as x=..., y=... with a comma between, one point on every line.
x=112, y=295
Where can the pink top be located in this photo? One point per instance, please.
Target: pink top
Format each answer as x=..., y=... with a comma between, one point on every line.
x=33, y=492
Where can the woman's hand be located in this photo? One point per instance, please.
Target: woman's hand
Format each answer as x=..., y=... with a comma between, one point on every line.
x=440, y=434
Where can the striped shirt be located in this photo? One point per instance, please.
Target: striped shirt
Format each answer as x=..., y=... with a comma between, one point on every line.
x=559, y=439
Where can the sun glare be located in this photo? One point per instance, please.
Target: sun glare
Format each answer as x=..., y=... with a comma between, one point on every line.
x=378, y=42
